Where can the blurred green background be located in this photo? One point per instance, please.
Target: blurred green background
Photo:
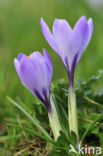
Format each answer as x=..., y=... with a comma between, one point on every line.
x=20, y=32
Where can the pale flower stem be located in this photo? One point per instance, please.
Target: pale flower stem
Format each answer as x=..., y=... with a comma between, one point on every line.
x=72, y=111
x=54, y=121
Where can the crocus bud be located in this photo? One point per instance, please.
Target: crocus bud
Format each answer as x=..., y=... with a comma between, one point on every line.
x=35, y=72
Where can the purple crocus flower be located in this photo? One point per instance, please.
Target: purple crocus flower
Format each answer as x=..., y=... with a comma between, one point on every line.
x=69, y=43
x=35, y=72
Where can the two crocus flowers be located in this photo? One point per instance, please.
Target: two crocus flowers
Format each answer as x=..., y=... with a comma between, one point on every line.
x=35, y=71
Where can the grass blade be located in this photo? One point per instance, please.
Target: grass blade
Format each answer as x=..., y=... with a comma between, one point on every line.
x=32, y=131
x=5, y=138
x=37, y=125
x=93, y=102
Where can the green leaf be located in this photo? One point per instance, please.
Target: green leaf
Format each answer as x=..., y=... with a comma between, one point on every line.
x=5, y=138
x=96, y=104
x=87, y=85
x=90, y=127
x=95, y=130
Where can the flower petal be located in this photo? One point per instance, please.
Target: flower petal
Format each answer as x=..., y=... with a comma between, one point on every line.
x=90, y=24
x=17, y=65
x=77, y=38
x=48, y=61
x=20, y=56
x=48, y=35
x=69, y=44
x=87, y=39
x=35, y=72
x=17, y=61
x=49, y=68
x=36, y=59
x=38, y=62
x=61, y=34
x=27, y=74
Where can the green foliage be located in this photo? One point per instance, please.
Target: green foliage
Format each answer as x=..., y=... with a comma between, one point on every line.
x=36, y=124
x=90, y=116
x=89, y=108
x=20, y=32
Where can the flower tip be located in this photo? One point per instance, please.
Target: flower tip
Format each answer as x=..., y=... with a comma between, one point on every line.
x=15, y=60
x=42, y=24
x=45, y=52
x=90, y=25
x=47, y=58
x=19, y=56
x=16, y=65
x=90, y=20
x=83, y=18
x=41, y=20
x=56, y=20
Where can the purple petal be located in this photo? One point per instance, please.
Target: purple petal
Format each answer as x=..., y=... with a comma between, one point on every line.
x=36, y=59
x=87, y=39
x=20, y=56
x=48, y=35
x=77, y=38
x=17, y=65
x=71, y=72
x=35, y=72
x=45, y=101
x=69, y=44
x=61, y=34
x=41, y=69
x=90, y=25
x=49, y=68
x=27, y=74
x=48, y=61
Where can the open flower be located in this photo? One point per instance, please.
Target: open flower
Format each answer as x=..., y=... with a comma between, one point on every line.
x=69, y=43
x=35, y=71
